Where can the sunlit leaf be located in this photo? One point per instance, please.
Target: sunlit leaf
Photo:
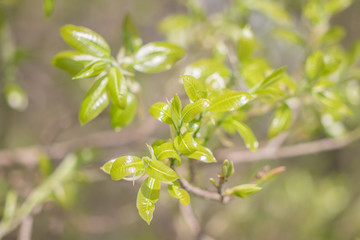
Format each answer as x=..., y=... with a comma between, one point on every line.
x=202, y=154
x=246, y=133
x=185, y=143
x=148, y=195
x=132, y=41
x=314, y=65
x=157, y=57
x=229, y=101
x=193, y=88
x=333, y=104
x=85, y=40
x=106, y=168
x=117, y=88
x=166, y=150
x=177, y=192
x=243, y=191
x=274, y=77
x=290, y=35
x=192, y=109
x=158, y=170
x=176, y=107
x=246, y=44
x=10, y=206
x=281, y=120
x=125, y=166
x=72, y=61
x=122, y=117
x=92, y=69
x=162, y=112
x=95, y=101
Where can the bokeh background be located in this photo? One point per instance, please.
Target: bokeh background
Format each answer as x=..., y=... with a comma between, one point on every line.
x=317, y=198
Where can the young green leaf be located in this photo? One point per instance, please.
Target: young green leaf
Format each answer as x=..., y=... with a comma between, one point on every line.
x=246, y=133
x=125, y=166
x=159, y=171
x=229, y=101
x=166, y=150
x=132, y=41
x=193, y=109
x=95, y=101
x=333, y=104
x=9, y=208
x=176, y=107
x=243, y=191
x=72, y=61
x=185, y=143
x=92, y=69
x=193, y=88
x=48, y=7
x=85, y=40
x=157, y=57
x=281, y=120
x=117, y=88
x=246, y=44
x=122, y=117
x=148, y=195
x=106, y=168
x=202, y=154
x=177, y=192
x=314, y=65
x=162, y=112
x=272, y=78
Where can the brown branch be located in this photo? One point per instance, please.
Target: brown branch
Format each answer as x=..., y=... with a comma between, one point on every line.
x=296, y=150
x=28, y=156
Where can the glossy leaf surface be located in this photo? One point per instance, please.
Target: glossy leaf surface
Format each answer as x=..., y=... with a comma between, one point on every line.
x=162, y=112
x=247, y=134
x=177, y=192
x=193, y=88
x=229, y=101
x=202, y=154
x=191, y=110
x=157, y=57
x=176, y=107
x=148, y=195
x=281, y=120
x=122, y=117
x=159, y=171
x=85, y=40
x=243, y=191
x=185, y=144
x=166, y=150
x=95, y=101
x=125, y=166
x=117, y=88
x=72, y=61
x=92, y=69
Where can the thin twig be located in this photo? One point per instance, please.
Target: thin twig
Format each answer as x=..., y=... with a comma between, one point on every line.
x=296, y=150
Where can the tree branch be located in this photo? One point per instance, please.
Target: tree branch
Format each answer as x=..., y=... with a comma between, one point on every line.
x=296, y=150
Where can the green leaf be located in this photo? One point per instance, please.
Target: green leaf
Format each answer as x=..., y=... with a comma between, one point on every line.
x=162, y=112
x=9, y=209
x=166, y=150
x=333, y=104
x=117, y=88
x=158, y=170
x=92, y=69
x=132, y=41
x=193, y=88
x=85, y=40
x=193, y=109
x=123, y=117
x=270, y=175
x=95, y=101
x=157, y=57
x=148, y=195
x=246, y=44
x=290, y=35
x=210, y=72
x=185, y=144
x=243, y=191
x=48, y=7
x=176, y=107
x=202, y=154
x=72, y=61
x=124, y=166
x=106, y=168
x=246, y=133
x=281, y=120
x=274, y=77
x=178, y=193
x=314, y=65
x=229, y=101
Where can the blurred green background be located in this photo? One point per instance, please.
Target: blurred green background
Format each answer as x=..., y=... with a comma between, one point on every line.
x=317, y=198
